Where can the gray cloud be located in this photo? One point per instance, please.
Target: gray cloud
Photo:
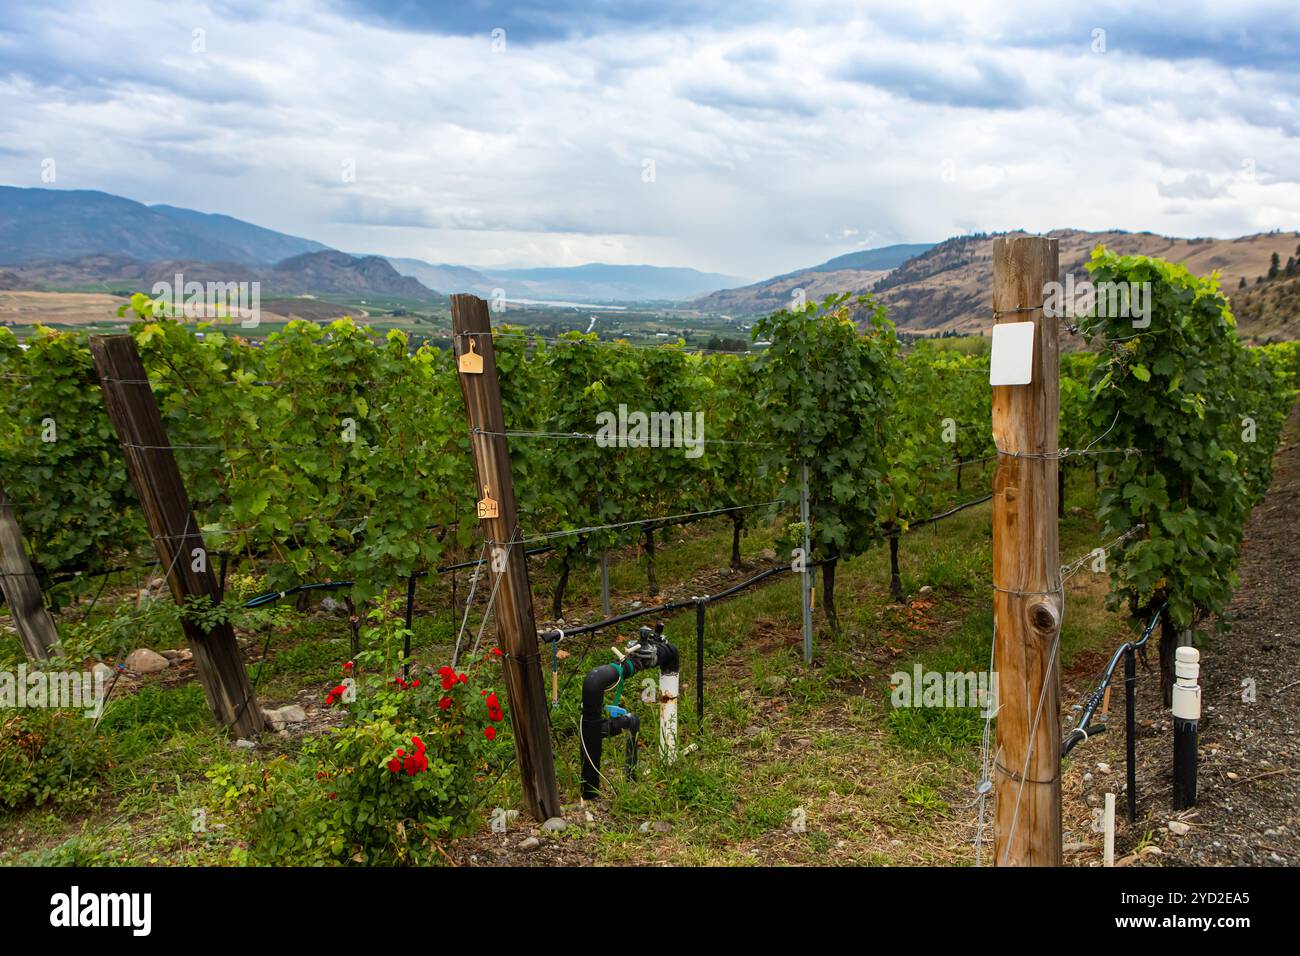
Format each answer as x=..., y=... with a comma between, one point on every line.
x=781, y=133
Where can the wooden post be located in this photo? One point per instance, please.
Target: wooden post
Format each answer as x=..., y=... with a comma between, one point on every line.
x=513, y=605
x=22, y=591
x=1027, y=596
x=149, y=461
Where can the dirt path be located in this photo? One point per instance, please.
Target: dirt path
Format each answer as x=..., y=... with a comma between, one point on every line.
x=1248, y=806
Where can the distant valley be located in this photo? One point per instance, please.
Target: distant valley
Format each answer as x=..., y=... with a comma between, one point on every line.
x=56, y=242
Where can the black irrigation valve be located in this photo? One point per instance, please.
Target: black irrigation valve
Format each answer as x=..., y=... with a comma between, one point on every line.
x=653, y=651
x=649, y=650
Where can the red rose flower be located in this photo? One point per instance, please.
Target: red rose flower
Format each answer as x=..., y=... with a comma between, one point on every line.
x=496, y=651
x=394, y=765
x=445, y=703
x=490, y=733
x=347, y=668
x=419, y=744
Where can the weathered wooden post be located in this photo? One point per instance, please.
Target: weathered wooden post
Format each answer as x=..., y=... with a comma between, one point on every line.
x=507, y=563
x=134, y=413
x=1027, y=597
x=22, y=591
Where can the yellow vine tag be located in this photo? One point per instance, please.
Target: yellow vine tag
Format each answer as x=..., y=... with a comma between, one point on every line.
x=487, y=506
x=471, y=363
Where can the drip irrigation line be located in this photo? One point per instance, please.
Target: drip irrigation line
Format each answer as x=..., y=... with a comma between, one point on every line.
x=667, y=608
x=950, y=512
x=473, y=564
x=270, y=597
x=527, y=337
x=665, y=519
x=617, y=442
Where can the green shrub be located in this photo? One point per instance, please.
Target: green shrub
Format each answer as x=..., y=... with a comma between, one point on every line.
x=404, y=773
x=49, y=756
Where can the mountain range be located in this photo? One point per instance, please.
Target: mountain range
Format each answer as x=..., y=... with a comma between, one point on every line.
x=311, y=273
x=61, y=224
x=853, y=272
x=593, y=282
x=946, y=288
x=89, y=240
x=77, y=238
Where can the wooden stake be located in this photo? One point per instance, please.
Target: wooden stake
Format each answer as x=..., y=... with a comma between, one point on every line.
x=1108, y=831
x=22, y=591
x=149, y=461
x=513, y=605
x=1027, y=596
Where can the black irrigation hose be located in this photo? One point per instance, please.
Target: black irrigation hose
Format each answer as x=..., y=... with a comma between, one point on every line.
x=556, y=635
x=270, y=597
x=734, y=589
x=1085, y=730
x=952, y=511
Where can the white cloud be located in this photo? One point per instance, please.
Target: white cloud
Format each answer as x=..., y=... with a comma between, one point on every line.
x=780, y=135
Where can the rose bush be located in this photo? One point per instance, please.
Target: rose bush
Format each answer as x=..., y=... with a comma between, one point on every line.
x=402, y=775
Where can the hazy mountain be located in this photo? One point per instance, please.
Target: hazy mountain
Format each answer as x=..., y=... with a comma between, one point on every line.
x=338, y=273
x=599, y=281
x=852, y=272
x=84, y=238
x=873, y=260
x=313, y=273
x=445, y=278
x=258, y=244
x=593, y=282
x=62, y=224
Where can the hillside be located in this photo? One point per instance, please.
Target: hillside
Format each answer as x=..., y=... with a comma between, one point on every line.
x=444, y=277
x=1269, y=311
x=313, y=273
x=852, y=272
x=947, y=288
x=62, y=224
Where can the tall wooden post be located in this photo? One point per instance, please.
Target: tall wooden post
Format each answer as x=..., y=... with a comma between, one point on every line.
x=508, y=567
x=149, y=461
x=1027, y=597
x=22, y=591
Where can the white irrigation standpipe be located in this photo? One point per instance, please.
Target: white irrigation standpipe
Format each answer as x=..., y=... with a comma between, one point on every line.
x=668, y=687
x=1187, y=716
x=1108, y=829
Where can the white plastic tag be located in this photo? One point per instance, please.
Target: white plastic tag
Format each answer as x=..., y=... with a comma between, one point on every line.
x=1012, y=361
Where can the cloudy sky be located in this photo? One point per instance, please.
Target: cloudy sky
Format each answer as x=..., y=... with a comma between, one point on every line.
x=748, y=138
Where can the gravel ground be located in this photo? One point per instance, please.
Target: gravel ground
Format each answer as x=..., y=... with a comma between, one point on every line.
x=1248, y=799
